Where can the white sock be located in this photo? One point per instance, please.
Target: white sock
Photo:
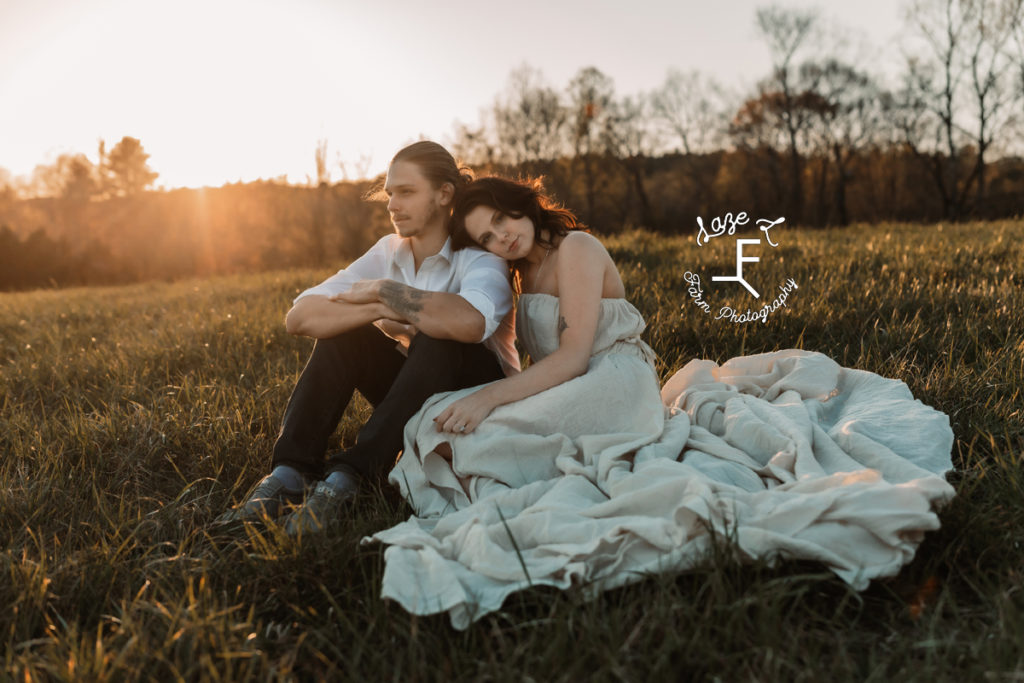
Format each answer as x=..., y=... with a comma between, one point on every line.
x=290, y=477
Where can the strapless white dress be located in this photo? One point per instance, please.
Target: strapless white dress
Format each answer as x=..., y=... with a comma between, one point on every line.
x=605, y=478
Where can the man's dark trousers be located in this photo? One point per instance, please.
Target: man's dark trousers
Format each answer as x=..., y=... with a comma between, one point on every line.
x=368, y=360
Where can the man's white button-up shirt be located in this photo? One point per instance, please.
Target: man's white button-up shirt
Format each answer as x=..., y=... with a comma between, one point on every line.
x=478, y=276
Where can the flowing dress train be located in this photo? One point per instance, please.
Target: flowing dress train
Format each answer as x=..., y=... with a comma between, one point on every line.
x=603, y=479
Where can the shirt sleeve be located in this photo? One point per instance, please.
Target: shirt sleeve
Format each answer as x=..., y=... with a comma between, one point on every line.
x=485, y=285
x=370, y=266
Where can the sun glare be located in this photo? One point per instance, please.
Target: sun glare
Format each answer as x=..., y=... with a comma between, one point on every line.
x=216, y=92
x=226, y=90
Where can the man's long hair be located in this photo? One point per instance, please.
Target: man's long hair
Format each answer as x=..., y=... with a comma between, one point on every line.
x=435, y=163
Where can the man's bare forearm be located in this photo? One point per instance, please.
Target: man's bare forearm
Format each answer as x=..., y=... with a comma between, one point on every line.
x=438, y=314
x=404, y=300
x=320, y=318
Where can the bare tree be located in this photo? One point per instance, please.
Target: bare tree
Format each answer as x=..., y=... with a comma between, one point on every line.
x=775, y=129
x=474, y=145
x=529, y=120
x=102, y=170
x=691, y=107
x=993, y=90
x=786, y=31
x=693, y=110
x=961, y=91
x=323, y=174
x=590, y=93
x=354, y=168
x=318, y=229
x=1018, y=67
x=631, y=140
x=919, y=128
x=8, y=190
x=849, y=116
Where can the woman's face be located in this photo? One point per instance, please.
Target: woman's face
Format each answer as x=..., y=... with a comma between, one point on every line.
x=499, y=233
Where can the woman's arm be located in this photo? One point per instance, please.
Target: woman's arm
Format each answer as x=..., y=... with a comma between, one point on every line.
x=581, y=266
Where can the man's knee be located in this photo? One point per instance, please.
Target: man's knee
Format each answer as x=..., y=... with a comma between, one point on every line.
x=427, y=348
x=453, y=364
x=353, y=341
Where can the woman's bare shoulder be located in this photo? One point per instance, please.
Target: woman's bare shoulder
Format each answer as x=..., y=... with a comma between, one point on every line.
x=579, y=243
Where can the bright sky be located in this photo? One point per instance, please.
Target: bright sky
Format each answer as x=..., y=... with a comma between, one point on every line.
x=226, y=90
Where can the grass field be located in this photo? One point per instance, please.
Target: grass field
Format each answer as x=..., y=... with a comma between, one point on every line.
x=130, y=417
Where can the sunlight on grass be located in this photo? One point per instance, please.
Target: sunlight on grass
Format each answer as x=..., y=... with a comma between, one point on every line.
x=130, y=417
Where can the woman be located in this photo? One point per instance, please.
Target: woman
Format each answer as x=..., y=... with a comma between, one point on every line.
x=574, y=472
x=528, y=231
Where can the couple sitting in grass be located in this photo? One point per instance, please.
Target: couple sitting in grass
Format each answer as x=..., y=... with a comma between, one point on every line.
x=579, y=470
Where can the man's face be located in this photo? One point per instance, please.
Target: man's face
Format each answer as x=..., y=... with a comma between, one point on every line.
x=416, y=207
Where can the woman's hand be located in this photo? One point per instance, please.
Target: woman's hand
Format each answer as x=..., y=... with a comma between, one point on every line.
x=463, y=416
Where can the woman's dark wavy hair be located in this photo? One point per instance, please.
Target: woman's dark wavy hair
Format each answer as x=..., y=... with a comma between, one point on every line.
x=514, y=198
x=434, y=161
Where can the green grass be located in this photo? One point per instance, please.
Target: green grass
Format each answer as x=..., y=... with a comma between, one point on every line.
x=130, y=417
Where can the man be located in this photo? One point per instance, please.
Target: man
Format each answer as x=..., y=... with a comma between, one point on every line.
x=450, y=312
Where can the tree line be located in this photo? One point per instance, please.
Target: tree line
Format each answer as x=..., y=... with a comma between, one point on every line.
x=819, y=140
x=241, y=227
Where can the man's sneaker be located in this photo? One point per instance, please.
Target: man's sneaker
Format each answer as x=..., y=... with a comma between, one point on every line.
x=320, y=510
x=268, y=500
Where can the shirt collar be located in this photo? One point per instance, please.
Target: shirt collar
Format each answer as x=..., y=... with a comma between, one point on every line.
x=403, y=255
x=446, y=250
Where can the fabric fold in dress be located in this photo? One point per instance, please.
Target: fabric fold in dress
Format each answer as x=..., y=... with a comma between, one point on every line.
x=606, y=478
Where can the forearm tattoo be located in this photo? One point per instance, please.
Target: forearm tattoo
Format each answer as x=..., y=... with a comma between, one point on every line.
x=403, y=300
x=562, y=325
